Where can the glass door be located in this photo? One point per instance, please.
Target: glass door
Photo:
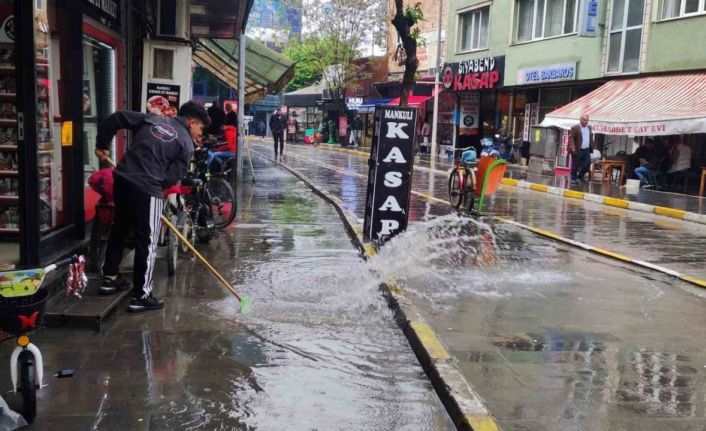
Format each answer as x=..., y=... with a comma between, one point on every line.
x=9, y=161
x=52, y=166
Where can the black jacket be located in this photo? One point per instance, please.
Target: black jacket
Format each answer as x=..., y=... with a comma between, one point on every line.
x=159, y=155
x=218, y=120
x=278, y=123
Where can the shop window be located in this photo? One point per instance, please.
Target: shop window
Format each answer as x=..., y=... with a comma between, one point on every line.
x=199, y=88
x=539, y=19
x=9, y=166
x=677, y=8
x=163, y=63
x=99, y=95
x=625, y=36
x=474, y=29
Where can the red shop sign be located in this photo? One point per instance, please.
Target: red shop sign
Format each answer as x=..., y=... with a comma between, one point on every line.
x=474, y=74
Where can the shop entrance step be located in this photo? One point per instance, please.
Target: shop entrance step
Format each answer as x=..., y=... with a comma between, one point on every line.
x=88, y=311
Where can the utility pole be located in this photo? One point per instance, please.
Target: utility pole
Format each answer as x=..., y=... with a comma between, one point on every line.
x=435, y=118
x=241, y=109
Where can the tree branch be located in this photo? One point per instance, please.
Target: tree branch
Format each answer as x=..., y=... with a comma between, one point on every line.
x=403, y=26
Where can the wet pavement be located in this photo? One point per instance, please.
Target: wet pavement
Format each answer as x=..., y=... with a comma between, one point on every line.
x=553, y=338
x=319, y=350
x=660, y=240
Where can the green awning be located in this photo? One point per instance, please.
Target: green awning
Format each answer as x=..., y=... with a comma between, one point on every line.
x=266, y=70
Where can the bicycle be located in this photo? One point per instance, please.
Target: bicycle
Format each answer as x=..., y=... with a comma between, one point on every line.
x=217, y=193
x=462, y=182
x=22, y=302
x=176, y=212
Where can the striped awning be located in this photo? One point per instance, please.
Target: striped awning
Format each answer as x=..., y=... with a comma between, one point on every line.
x=651, y=106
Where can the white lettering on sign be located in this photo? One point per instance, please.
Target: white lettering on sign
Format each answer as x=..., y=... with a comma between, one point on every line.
x=394, y=130
x=391, y=204
x=399, y=115
x=395, y=155
x=393, y=179
x=388, y=226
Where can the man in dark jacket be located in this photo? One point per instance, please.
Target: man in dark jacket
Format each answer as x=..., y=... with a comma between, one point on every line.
x=157, y=159
x=581, y=141
x=218, y=119
x=655, y=161
x=278, y=122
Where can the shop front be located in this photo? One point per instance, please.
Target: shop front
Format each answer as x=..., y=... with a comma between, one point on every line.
x=670, y=108
x=60, y=75
x=476, y=84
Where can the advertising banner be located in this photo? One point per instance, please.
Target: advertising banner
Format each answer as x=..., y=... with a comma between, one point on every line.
x=390, y=173
x=469, y=108
x=163, y=99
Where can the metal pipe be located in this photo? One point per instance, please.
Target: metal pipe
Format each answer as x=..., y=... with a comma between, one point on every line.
x=435, y=119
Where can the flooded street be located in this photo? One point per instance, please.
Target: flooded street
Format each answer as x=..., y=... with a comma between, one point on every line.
x=319, y=350
x=550, y=336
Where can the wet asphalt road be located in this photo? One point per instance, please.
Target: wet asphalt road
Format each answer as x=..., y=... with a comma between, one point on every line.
x=319, y=351
x=551, y=337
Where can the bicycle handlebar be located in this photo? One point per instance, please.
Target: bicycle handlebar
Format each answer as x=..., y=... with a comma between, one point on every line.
x=66, y=262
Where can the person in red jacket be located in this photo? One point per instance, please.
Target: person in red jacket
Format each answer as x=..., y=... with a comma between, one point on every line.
x=224, y=152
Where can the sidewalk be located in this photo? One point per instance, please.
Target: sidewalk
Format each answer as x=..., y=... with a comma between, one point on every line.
x=319, y=350
x=551, y=337
x=645, y=200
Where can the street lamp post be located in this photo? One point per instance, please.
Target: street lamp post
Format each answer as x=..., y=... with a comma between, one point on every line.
x=435, y=118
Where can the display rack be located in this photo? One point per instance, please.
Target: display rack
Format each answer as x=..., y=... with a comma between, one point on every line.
x=9, y=174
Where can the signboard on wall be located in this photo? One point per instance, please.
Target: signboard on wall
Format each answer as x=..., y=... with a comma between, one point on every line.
x=550, y=73
x=390, y=173
x=106, y=12
x=588, y=18
x=469, y=114
x=163, y=99
x=476, y=74
x=526, y=122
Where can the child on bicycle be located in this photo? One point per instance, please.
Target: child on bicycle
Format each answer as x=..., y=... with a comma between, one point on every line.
x=158, y=157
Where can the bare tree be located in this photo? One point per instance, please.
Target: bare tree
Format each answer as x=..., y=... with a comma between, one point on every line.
x=404, y=20
x=340, y=31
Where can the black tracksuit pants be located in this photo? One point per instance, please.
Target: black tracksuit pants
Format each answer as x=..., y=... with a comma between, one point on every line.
x=141, y=211
x=279, y=136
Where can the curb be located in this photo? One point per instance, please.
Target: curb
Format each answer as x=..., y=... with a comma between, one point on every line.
x=605, y=200
x=607, y=253
x=465, y=407
x=573, y=194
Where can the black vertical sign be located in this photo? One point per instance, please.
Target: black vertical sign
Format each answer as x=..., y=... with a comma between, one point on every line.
x=390, y=173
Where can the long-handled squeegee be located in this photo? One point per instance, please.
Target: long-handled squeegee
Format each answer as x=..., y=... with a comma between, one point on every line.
x=245, y=301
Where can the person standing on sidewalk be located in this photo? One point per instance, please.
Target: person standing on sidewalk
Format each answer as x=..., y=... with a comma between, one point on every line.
x=356, y=131
x=581, y=141
x=158, y=158
x=278, y=123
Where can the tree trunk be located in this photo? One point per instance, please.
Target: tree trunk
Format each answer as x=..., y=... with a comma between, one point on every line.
x=403, y=25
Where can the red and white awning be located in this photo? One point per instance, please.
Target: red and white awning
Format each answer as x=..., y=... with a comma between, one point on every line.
x=651, y=106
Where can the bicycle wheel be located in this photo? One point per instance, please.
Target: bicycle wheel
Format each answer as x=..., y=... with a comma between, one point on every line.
x=222, y=202
x=172, y=243
x=28, y=386
x=455, y=189
x=186, y=226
